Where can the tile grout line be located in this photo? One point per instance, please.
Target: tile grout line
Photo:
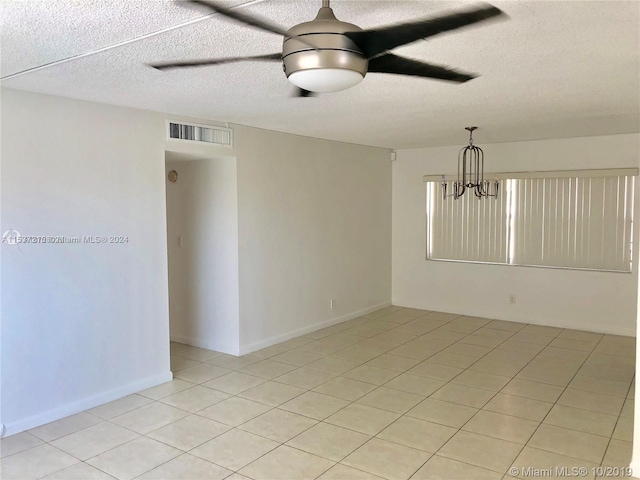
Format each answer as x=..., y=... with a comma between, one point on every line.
x=401, y=415
x=486, y=403
x=614, y=428
x=318, y=422
x=271, y=439
x=349, y=404
x=376, y=386
x=556, y=403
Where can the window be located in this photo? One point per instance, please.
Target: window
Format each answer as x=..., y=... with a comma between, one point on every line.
x=467, y=229
x=573, y=219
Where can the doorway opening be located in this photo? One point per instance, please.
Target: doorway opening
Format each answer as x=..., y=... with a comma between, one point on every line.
x=202, y=250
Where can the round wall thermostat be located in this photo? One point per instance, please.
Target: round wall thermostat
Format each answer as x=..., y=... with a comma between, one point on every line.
x=173, y=176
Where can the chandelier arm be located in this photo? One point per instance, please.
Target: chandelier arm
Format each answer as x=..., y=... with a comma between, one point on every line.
x=463, y=154
x=459, y=160
x=468, y=179
x=464, y=171
x=468, y=166
x=461, y=189
x=457, y=190
x=476, y=155
x=473, y=159
x=481, y=161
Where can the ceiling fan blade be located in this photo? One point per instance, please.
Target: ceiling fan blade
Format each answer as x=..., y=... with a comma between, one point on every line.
x=390, y=63
x=272, y=57
x=376, y=41
x=246, y=19
x=302, y=93
x=240, y=17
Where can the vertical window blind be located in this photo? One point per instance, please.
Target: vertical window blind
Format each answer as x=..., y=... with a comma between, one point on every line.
x=580, y=219
x=467, y=229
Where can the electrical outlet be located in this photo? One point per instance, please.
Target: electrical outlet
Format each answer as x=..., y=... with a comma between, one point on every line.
x=512, y=299
x=331, y=304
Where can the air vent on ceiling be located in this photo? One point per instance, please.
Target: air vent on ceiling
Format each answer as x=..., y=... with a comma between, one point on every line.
x=218, y=136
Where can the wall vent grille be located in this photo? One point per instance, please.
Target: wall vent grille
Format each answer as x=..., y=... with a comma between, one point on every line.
x=218, y=136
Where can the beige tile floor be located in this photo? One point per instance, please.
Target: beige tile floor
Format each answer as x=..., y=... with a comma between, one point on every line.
x=396, y=394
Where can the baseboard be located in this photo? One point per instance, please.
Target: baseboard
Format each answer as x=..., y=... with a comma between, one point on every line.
x=560, y=323
x=252, y=347
x=82, y=405
x=588, y=327
x=198, y=342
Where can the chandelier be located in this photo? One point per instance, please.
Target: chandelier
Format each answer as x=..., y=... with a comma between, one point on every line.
x=471, y=173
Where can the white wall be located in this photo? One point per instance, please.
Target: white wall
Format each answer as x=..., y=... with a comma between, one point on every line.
x=314, y=225
x=82, y=324
x=202, y=208
x=597, y=301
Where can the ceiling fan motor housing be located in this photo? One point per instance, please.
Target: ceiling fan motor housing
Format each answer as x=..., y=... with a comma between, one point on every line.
x=335, y=55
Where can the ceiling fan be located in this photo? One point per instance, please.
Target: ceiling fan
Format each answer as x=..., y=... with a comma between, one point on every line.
x=328, y=55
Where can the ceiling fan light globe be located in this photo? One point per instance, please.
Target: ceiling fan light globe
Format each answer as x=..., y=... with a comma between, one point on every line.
x=325, y=80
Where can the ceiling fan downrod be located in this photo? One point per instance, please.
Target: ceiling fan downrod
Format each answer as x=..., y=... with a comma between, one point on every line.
x=325, y=4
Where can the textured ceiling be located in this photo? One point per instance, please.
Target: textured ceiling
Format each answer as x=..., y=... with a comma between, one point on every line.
x=554, y=69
